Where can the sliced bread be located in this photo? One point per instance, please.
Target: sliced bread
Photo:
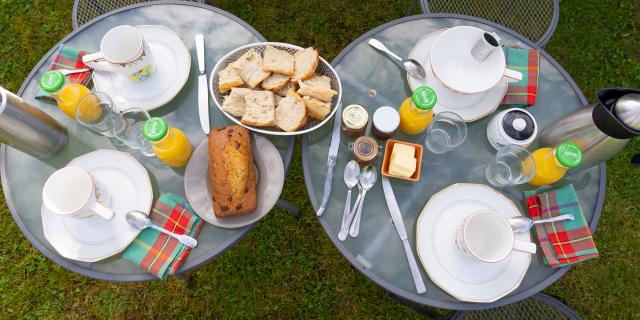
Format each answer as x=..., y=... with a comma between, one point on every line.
x=259, y=109
x=250, y=68
x=316, y=108
x=275, y=82
x=306, y=62
x=318, y=87
x=234, y=102
x=277, y=60
x=285, y=90
x=291, y=114
x=229, y=78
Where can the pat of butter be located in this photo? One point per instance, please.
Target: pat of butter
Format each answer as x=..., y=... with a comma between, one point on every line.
x=402, y=162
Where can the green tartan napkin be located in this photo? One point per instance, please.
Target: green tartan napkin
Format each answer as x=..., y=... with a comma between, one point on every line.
x=522, y=93
x=156, y=252
x=566, y=242
x=67, y=58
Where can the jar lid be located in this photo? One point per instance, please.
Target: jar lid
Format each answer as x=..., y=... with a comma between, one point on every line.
x=365, y=148
x=518, y=124
x=52, y=81
x=569, y=154
x=355, y=116
x=155, y=129
x=424, y=98
x=386, y=119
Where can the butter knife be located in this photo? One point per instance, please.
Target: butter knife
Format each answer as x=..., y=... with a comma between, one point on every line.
x=394, y=210
x=331, y=159
x=203, y=91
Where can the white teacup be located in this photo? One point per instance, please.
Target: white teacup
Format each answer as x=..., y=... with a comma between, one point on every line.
x=71, y=192
x=487, y=237
x=454, y=65
x=124, y=51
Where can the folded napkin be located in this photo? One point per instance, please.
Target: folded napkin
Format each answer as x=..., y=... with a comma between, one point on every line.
x=566, y=242
x=67, y=58
x=522, y=93
x=156, y=252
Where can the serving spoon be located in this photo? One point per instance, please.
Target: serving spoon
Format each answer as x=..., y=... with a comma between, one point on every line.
x=411, y=66
x=140, y=220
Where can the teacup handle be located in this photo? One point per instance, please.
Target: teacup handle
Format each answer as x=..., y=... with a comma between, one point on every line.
x=512, y=75
x=97, y=62
x=101, y=210
x=524, y=246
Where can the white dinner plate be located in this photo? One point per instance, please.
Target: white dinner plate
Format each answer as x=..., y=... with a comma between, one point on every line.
x=270, y=169
x=126, y=186
x=469, y=107
x=173, y=64
x=456, y=273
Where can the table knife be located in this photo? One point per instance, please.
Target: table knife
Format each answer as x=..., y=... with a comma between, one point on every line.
x=203, y=91
x=394, y=210
x=331, y=159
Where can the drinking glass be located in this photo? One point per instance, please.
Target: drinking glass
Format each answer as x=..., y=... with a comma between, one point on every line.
x=127, y=129
x=445, y=132
x=512, y=165
x=95, y=112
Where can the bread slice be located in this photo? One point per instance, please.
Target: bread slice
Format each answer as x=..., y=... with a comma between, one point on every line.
x=316, y=108
x=234, y=102
x=285, y=90
x=291, y=114
x=306, y=62
x=275, y=82
x=277, y=60
x=250, y=68
x=318, y=87
x=259, y=109
x=229, y=78
x=277, y=99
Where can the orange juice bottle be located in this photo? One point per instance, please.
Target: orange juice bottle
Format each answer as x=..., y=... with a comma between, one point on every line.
x=66, y=93
x=416, y=111
x=553, y=163
x=170, y=145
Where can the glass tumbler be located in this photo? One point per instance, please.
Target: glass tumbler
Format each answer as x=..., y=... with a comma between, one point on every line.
x=95, y=112
x=512, y=165
x=128, y=130
x=445, y=132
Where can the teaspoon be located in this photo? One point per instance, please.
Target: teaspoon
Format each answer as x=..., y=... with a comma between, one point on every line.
x=411, y=66
x=141, y=221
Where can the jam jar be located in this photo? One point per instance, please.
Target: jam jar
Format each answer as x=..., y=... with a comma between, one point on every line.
x=365, y=149
x=385, y=122
x=354, y=120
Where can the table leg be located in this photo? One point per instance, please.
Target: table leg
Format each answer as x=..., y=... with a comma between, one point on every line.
x=289, y=207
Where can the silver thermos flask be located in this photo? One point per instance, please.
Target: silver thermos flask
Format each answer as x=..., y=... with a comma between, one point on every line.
x=28, y=128
x=602, y=129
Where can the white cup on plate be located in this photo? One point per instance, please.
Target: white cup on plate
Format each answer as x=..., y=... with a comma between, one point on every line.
x=487, y=237
x=123, y=51
x=71, y=192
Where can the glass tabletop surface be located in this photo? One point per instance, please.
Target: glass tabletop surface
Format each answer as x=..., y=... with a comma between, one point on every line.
x=372, y=79
x=26, y=175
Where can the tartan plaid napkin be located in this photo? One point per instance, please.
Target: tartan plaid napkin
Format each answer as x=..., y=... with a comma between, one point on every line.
x=566, y=242
x=156, y=252
x=67, y=58
x=522, y=93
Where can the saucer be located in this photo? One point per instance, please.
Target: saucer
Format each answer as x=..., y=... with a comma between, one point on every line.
x=270, y=170
x=173, y=64
x=126, y=187
x=454, y=272
x=469, y=107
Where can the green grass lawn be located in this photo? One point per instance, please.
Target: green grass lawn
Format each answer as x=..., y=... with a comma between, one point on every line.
x=288, y=268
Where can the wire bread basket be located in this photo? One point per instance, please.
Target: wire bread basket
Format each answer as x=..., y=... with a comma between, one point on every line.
x=324, y=68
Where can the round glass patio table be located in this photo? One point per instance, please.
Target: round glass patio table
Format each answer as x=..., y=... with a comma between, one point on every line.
x=23, y=176
x=372, y=79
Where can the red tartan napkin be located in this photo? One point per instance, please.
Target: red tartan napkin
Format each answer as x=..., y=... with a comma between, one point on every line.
x=67, y=58
x=522, y=93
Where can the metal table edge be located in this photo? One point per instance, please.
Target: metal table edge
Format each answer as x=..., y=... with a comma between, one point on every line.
x=411, y=296
x=54, y=256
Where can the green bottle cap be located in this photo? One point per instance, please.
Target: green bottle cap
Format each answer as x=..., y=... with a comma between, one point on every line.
x=569, y=154
x=52, y=81
x=424, y=98
x=155, y=129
